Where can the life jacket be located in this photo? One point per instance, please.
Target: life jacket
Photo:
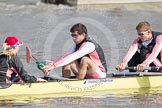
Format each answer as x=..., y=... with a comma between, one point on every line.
x=98, y=50
x=145, y=49
x=8, y=74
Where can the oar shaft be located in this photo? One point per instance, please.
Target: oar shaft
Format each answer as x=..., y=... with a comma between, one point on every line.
x=156, y=68
x=34, y=58
x=135, y=68
x=145, y=68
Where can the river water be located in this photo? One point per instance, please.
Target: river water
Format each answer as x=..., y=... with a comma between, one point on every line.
x=45, y=29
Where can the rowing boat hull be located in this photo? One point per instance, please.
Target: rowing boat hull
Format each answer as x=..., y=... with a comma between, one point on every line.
x=81, y=86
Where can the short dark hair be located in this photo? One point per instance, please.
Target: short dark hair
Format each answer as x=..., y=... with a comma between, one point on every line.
x=80, y=28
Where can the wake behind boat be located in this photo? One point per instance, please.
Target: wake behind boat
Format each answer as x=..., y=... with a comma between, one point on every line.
x=115, y=81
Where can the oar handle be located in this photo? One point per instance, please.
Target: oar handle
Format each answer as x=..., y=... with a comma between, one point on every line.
x=135, y=68
x=155, y=68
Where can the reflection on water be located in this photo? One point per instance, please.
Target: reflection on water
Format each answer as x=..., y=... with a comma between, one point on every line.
x=141, y=98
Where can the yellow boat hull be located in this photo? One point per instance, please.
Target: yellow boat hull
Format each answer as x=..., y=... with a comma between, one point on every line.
x=82, y=86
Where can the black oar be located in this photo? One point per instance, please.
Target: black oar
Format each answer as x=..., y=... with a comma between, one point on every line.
x=154, y=68
x=120, y=74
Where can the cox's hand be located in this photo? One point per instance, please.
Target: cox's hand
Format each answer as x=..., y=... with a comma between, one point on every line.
x=140, y=67
x=121, y=66
x=41, y=80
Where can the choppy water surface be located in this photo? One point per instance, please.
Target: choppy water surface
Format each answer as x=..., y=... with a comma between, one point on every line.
x=104, y=100
x=45, y=29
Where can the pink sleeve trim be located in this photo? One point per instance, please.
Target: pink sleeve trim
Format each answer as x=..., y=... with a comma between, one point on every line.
x=85, y=49
x=132, y=50
x=156, y=50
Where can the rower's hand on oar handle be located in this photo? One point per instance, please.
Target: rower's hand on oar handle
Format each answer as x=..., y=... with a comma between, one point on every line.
x=47, y=68
x=120, y=67
x=40, y=65
x=141, y=67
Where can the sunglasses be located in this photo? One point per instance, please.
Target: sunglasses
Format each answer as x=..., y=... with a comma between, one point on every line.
x=141, y=33
x=74, y=35
x=14, y=46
